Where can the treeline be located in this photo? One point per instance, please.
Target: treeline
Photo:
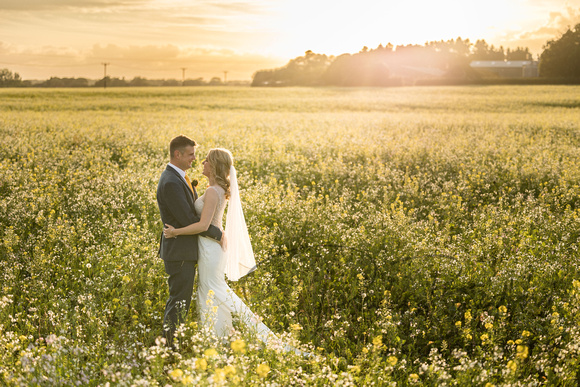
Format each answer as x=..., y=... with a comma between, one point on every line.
x=437, y=62
x=144, y=82
x=388, y=65
x=443, y=62
x=10, y=79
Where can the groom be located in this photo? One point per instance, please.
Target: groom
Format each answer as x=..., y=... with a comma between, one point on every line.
x=175, y=198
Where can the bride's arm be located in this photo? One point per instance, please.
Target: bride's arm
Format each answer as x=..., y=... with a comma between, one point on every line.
x=209, y=207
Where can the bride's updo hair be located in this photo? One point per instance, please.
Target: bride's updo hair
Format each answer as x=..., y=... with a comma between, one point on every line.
x=220, y=160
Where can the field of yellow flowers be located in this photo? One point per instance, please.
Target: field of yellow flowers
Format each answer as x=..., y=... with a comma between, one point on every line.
x=404, y=236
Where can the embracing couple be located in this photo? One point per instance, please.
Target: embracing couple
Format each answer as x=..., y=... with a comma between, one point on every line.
x=193, y=234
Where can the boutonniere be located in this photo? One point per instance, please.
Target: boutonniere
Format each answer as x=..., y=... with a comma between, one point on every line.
x=194, y=182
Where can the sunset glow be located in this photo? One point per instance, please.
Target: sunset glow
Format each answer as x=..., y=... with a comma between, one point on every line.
x=156, y=38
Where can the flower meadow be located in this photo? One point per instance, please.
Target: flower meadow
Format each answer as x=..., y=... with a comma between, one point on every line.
x=404, y=236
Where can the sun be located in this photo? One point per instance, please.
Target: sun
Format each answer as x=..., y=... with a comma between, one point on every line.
x=346, y=26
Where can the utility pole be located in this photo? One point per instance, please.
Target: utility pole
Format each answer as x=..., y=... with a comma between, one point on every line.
x=225, y=77
x=105, y=77
x=183, y=75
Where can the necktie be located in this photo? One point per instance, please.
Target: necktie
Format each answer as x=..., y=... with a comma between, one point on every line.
x=188, y=182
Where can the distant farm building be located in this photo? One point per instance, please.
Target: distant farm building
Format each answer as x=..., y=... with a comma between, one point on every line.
x=506, y=69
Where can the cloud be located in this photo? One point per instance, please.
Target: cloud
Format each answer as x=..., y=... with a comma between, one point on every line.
x=536, y=38
x=44, y=5
x=182, y=22
x=244, y=7
x=136, y=53
x=186, y=6
x=150, y=61
x=165, y=58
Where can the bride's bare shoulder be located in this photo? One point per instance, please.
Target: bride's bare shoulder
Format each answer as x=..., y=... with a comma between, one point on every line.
x=217, y=189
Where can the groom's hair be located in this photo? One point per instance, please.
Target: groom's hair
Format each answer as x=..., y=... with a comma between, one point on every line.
x=180, y=143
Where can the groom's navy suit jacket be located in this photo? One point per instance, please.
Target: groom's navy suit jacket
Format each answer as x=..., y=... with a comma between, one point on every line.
x=175, y=201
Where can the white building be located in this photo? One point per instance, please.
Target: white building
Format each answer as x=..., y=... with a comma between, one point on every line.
x=507, y=69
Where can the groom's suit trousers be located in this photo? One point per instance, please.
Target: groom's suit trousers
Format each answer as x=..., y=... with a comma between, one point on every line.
x=181, y=276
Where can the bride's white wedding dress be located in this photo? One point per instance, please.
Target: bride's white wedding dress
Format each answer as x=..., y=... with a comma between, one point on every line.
x=216, y=300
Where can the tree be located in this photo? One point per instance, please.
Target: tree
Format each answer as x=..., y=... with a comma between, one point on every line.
x=65, y=82
x=482, y=51
x=519, y=53
x=561, y=57
x=194, y=82
x=139, y=82
x=112, y=82
x=171, y=82
x=215, y=81
x=302, y=71
x=9, y=79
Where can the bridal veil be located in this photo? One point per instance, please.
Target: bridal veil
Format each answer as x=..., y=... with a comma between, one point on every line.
x=240, y=256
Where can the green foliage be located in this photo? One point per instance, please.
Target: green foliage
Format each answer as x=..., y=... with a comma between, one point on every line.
x=65, y=82
x=389, y=65
x=409, y=236
x=10, y=79
x=561, y=56
x=301, y=71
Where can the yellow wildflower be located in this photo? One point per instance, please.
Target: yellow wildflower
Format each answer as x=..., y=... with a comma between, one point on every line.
x=502, y=309
x=378, y=341
x=219, y=375
x=176, y=374
x=201, y=364
x=262, y=370
x=512, y=365
x=467, y=315
x=522, y=351
x=210, y=352
x=238, y=345
x=229, y=370
x=392, y=361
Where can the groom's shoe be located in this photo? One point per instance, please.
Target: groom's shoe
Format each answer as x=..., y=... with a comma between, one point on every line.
x=168, y=342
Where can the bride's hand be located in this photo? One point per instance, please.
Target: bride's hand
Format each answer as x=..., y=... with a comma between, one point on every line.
x=169, y=231
x=224, y=242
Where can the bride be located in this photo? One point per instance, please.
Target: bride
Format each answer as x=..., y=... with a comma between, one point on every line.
x=216, y=300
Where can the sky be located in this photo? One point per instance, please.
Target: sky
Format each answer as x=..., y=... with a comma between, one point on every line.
x=233, y=39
